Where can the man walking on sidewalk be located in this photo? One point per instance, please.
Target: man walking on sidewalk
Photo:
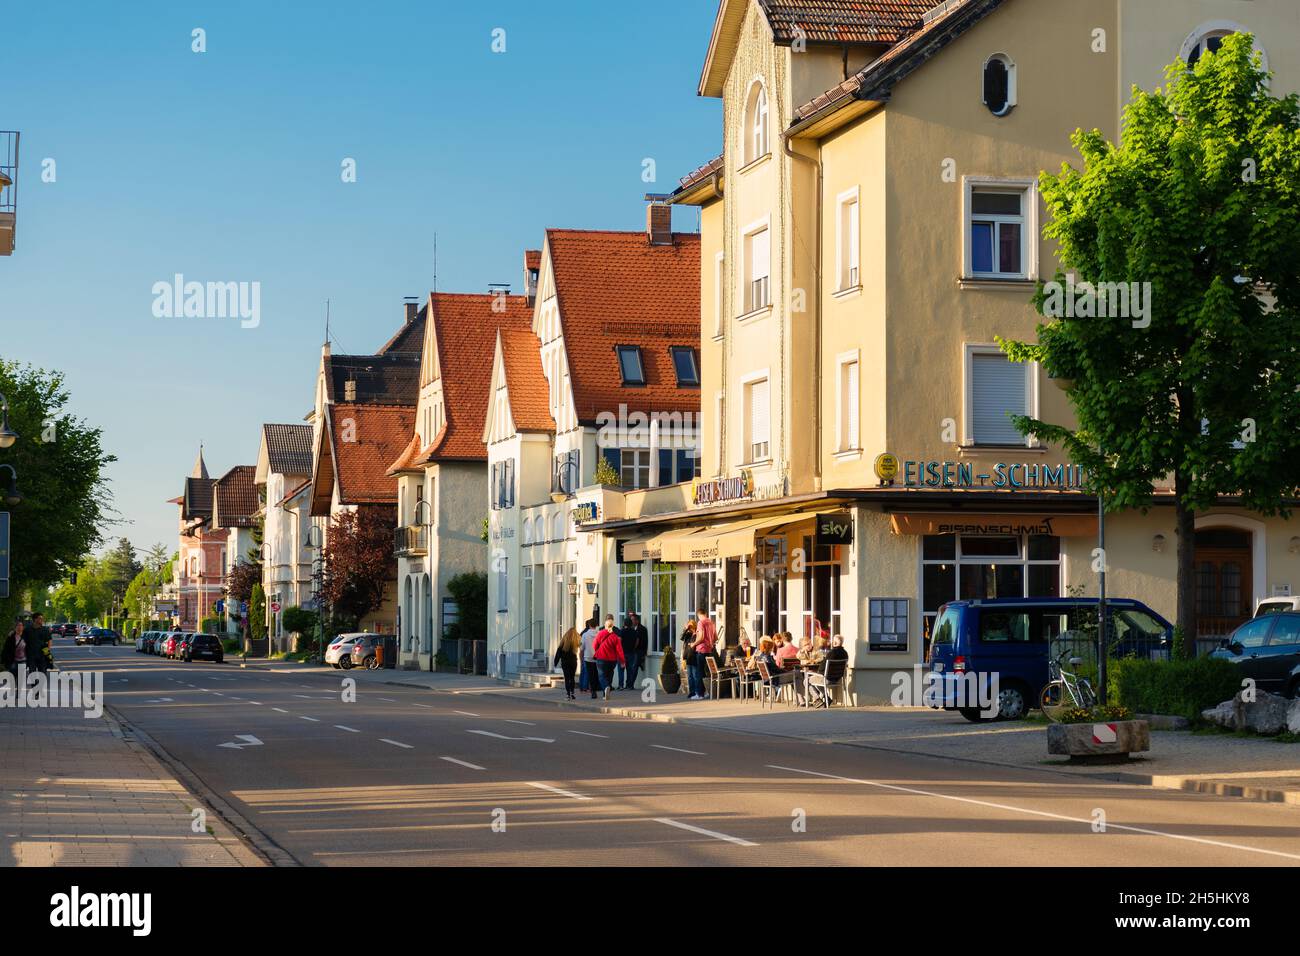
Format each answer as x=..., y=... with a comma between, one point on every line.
x=590, y=668
x=39, y=654
x=636, y=642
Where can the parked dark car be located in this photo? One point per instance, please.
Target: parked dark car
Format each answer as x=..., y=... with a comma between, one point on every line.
x=1010, y=638
x=1267, y=650
x=205, y=647
x=364, y=652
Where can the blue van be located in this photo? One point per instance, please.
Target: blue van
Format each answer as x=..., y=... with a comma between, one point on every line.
x=1010, y=637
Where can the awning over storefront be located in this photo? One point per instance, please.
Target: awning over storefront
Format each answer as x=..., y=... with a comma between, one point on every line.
x=1065, y=526
x=642, y=549
x=732, y=540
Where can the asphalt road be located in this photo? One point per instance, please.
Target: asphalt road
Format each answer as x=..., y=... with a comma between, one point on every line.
x=411, y=776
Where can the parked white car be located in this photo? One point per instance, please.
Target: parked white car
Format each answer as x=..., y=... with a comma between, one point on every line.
x=339, y=652
x=1276, y=605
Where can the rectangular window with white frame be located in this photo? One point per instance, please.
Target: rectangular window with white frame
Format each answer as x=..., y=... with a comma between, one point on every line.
x=847, y=414
x=758, y=267
x=634, y=471
x=996, y=389
x=848, y=243
x=1000, y=229
x=758, y=421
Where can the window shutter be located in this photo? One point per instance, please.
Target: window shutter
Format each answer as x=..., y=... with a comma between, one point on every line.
x=759, y=425
x=761, y=254
x=496, y=473
x=997, y=390
x=665, y=467
x=510, y=483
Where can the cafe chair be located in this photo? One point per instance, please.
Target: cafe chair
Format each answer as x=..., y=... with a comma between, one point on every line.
x=767, y=688
x=717, y=676
x=827, y=685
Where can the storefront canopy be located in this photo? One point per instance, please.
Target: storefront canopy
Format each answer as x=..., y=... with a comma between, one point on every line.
x=955, y=522
x=731, y=540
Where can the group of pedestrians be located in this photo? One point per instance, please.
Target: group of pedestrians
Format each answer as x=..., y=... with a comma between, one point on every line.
x=27, y=645
x=596, y=658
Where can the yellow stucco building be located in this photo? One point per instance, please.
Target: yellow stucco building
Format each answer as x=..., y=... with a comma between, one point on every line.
x=872, y=226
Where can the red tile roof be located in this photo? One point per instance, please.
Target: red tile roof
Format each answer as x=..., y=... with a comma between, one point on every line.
x=409, y=338
x=530, y=404
x=844, y=21
x=235, y=497
x=294, y=491
x=615, y=288
x=466, y=328
x=361, y=443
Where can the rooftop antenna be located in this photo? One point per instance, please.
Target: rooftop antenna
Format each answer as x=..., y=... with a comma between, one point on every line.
x=435, y=263
x=327, y=321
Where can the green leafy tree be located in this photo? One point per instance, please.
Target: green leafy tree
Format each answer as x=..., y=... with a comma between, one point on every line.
x=89, y=597
x=470, y=592
x=257, y=613
x=1201, y=200
x=60, y=462
x=121, y=567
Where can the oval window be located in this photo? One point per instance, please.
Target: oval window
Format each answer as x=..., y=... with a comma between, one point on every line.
x=999, y=84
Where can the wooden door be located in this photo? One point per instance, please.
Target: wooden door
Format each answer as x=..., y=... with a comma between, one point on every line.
x=1223, y=580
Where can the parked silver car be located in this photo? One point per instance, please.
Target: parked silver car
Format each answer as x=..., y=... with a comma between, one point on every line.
x=339, y=652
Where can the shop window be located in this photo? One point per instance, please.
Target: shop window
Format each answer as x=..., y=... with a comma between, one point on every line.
x=997, y=388
x=821, y=606
x=770, y=580
x=982, y=566
x=700, y=581
x=663, y=607
x=629, y=589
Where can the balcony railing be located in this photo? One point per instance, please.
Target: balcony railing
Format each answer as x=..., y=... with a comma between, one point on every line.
x=411, y=539
x=8, y=190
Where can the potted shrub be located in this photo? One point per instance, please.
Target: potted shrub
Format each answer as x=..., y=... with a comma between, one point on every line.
x=1106, y=732
x=670, y=674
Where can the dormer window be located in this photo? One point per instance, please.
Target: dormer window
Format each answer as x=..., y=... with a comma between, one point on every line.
x=686, y=366
x=756, y=140
x=630, y=365
x=999, y=84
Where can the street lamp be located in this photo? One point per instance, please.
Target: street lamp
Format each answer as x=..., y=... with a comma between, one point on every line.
x=7, y=435
x=426, y=526
x=12, y=495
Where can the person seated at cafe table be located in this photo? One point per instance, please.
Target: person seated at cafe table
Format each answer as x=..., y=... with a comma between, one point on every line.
x=787, y=651
x=744, y=650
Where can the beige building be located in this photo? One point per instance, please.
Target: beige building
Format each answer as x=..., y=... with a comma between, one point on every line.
x=870, y=230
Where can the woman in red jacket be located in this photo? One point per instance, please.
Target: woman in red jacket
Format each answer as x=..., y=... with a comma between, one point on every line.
x=609, y=653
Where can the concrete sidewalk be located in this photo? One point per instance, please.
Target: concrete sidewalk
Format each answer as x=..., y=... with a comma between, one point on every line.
x=82, y=792
x=1224, y=765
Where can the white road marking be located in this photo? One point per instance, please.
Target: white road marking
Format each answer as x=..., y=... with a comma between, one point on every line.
x=708, y=833
x=463, y=763
x=160, y=700
x=351, y=730
x=312, y=719
x=1086, y=821
x=583, y=733
x=526, y=723
x=563, y=793
x=389, y=699
x=396, y=743
x=233, y=697
x=248, y=741
x=488, y=733
x=280, y=709
x=697, y=753
x=464, y=713
x=430, y=706
x=256, y=703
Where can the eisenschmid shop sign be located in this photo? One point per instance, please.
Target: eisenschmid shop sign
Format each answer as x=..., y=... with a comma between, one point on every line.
x=721, y=490
x=1065, y=526
x=999, y=476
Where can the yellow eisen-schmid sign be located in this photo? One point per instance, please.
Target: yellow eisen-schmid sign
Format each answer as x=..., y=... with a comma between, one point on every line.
x=1065, y=526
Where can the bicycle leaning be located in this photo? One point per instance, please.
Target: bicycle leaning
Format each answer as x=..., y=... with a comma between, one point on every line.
x=1065, y=691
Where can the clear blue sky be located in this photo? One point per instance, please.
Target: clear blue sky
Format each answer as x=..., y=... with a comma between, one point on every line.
x=225, y=166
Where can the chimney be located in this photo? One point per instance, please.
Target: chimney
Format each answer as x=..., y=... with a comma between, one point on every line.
x=350, y=390
x=412, y=307
x=659, y=222
x=532, y=268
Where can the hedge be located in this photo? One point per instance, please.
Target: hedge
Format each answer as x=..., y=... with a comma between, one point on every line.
x=1177, y=688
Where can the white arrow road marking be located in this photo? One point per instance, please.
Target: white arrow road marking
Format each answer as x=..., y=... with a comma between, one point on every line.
x=248, y=741
x=679, y=750
x=488, y=733
x=583, y=733
x=708, y=833
x=464, y=713
x=1036, y=813
x=160, y=700
x=463, y=763
x=396, y=743
x=526, y=723
x=563, y=793
x=351, y=730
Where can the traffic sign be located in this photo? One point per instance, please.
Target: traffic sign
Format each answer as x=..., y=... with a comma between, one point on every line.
x=275, y=607
x=221, y=607
x=243, y=607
